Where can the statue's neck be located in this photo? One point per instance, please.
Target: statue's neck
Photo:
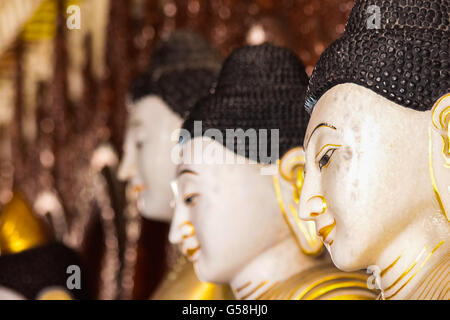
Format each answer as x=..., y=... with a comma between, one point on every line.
x=274, y=265
x=409, y=258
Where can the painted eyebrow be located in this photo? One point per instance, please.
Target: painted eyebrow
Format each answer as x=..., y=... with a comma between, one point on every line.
x=320, y=125
x=186, y=171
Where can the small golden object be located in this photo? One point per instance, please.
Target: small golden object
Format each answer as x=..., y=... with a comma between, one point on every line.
x=54, y=294
x=20, y=228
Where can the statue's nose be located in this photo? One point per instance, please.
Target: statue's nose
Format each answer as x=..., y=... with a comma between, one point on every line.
x=126, y=170
x=311, y=203
x=317, y=206
x=176, y=232
x=304, y=211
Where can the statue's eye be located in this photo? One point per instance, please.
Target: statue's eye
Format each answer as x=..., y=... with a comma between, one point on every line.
x=189, y=200
x=325, y=160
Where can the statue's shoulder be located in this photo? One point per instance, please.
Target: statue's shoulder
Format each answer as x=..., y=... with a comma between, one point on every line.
x=436, y=284
x=322, y=283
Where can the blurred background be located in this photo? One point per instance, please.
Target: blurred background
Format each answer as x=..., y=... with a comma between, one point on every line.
x=63, y=115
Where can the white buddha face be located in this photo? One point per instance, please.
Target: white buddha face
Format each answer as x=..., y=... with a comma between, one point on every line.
x=366, y=172
x=226, y=214
x=147, y=160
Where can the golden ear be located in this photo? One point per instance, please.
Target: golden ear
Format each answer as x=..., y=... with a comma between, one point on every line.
x=441, y=119
x=291, y=169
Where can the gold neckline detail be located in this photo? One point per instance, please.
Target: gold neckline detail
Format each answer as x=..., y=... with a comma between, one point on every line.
x=409, y=270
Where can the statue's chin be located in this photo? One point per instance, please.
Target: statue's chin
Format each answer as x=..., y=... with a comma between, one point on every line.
x=199, y=271
x=153, y=209
x=210, y=273
x=343, y=259
x=158, y=217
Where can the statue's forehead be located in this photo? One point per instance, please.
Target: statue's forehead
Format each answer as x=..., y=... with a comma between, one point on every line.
x=215, y=160
x=354, y=109
x=346, y=96
x=353, y=97
x=350, y=101
x=150, y=105
x=343, y=108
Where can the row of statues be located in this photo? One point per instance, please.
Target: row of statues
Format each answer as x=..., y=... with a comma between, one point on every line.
x=278, y=185
x=267, y=167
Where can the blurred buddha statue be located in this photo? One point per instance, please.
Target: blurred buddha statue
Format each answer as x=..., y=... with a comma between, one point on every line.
x=377, y=174
x=182, y=70
x=32, y=264
x=230, y=187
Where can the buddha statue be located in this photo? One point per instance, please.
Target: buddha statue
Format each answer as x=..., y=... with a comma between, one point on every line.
x=32, y=264
x=182, y=69
x=231, y=186
x=377, y=172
